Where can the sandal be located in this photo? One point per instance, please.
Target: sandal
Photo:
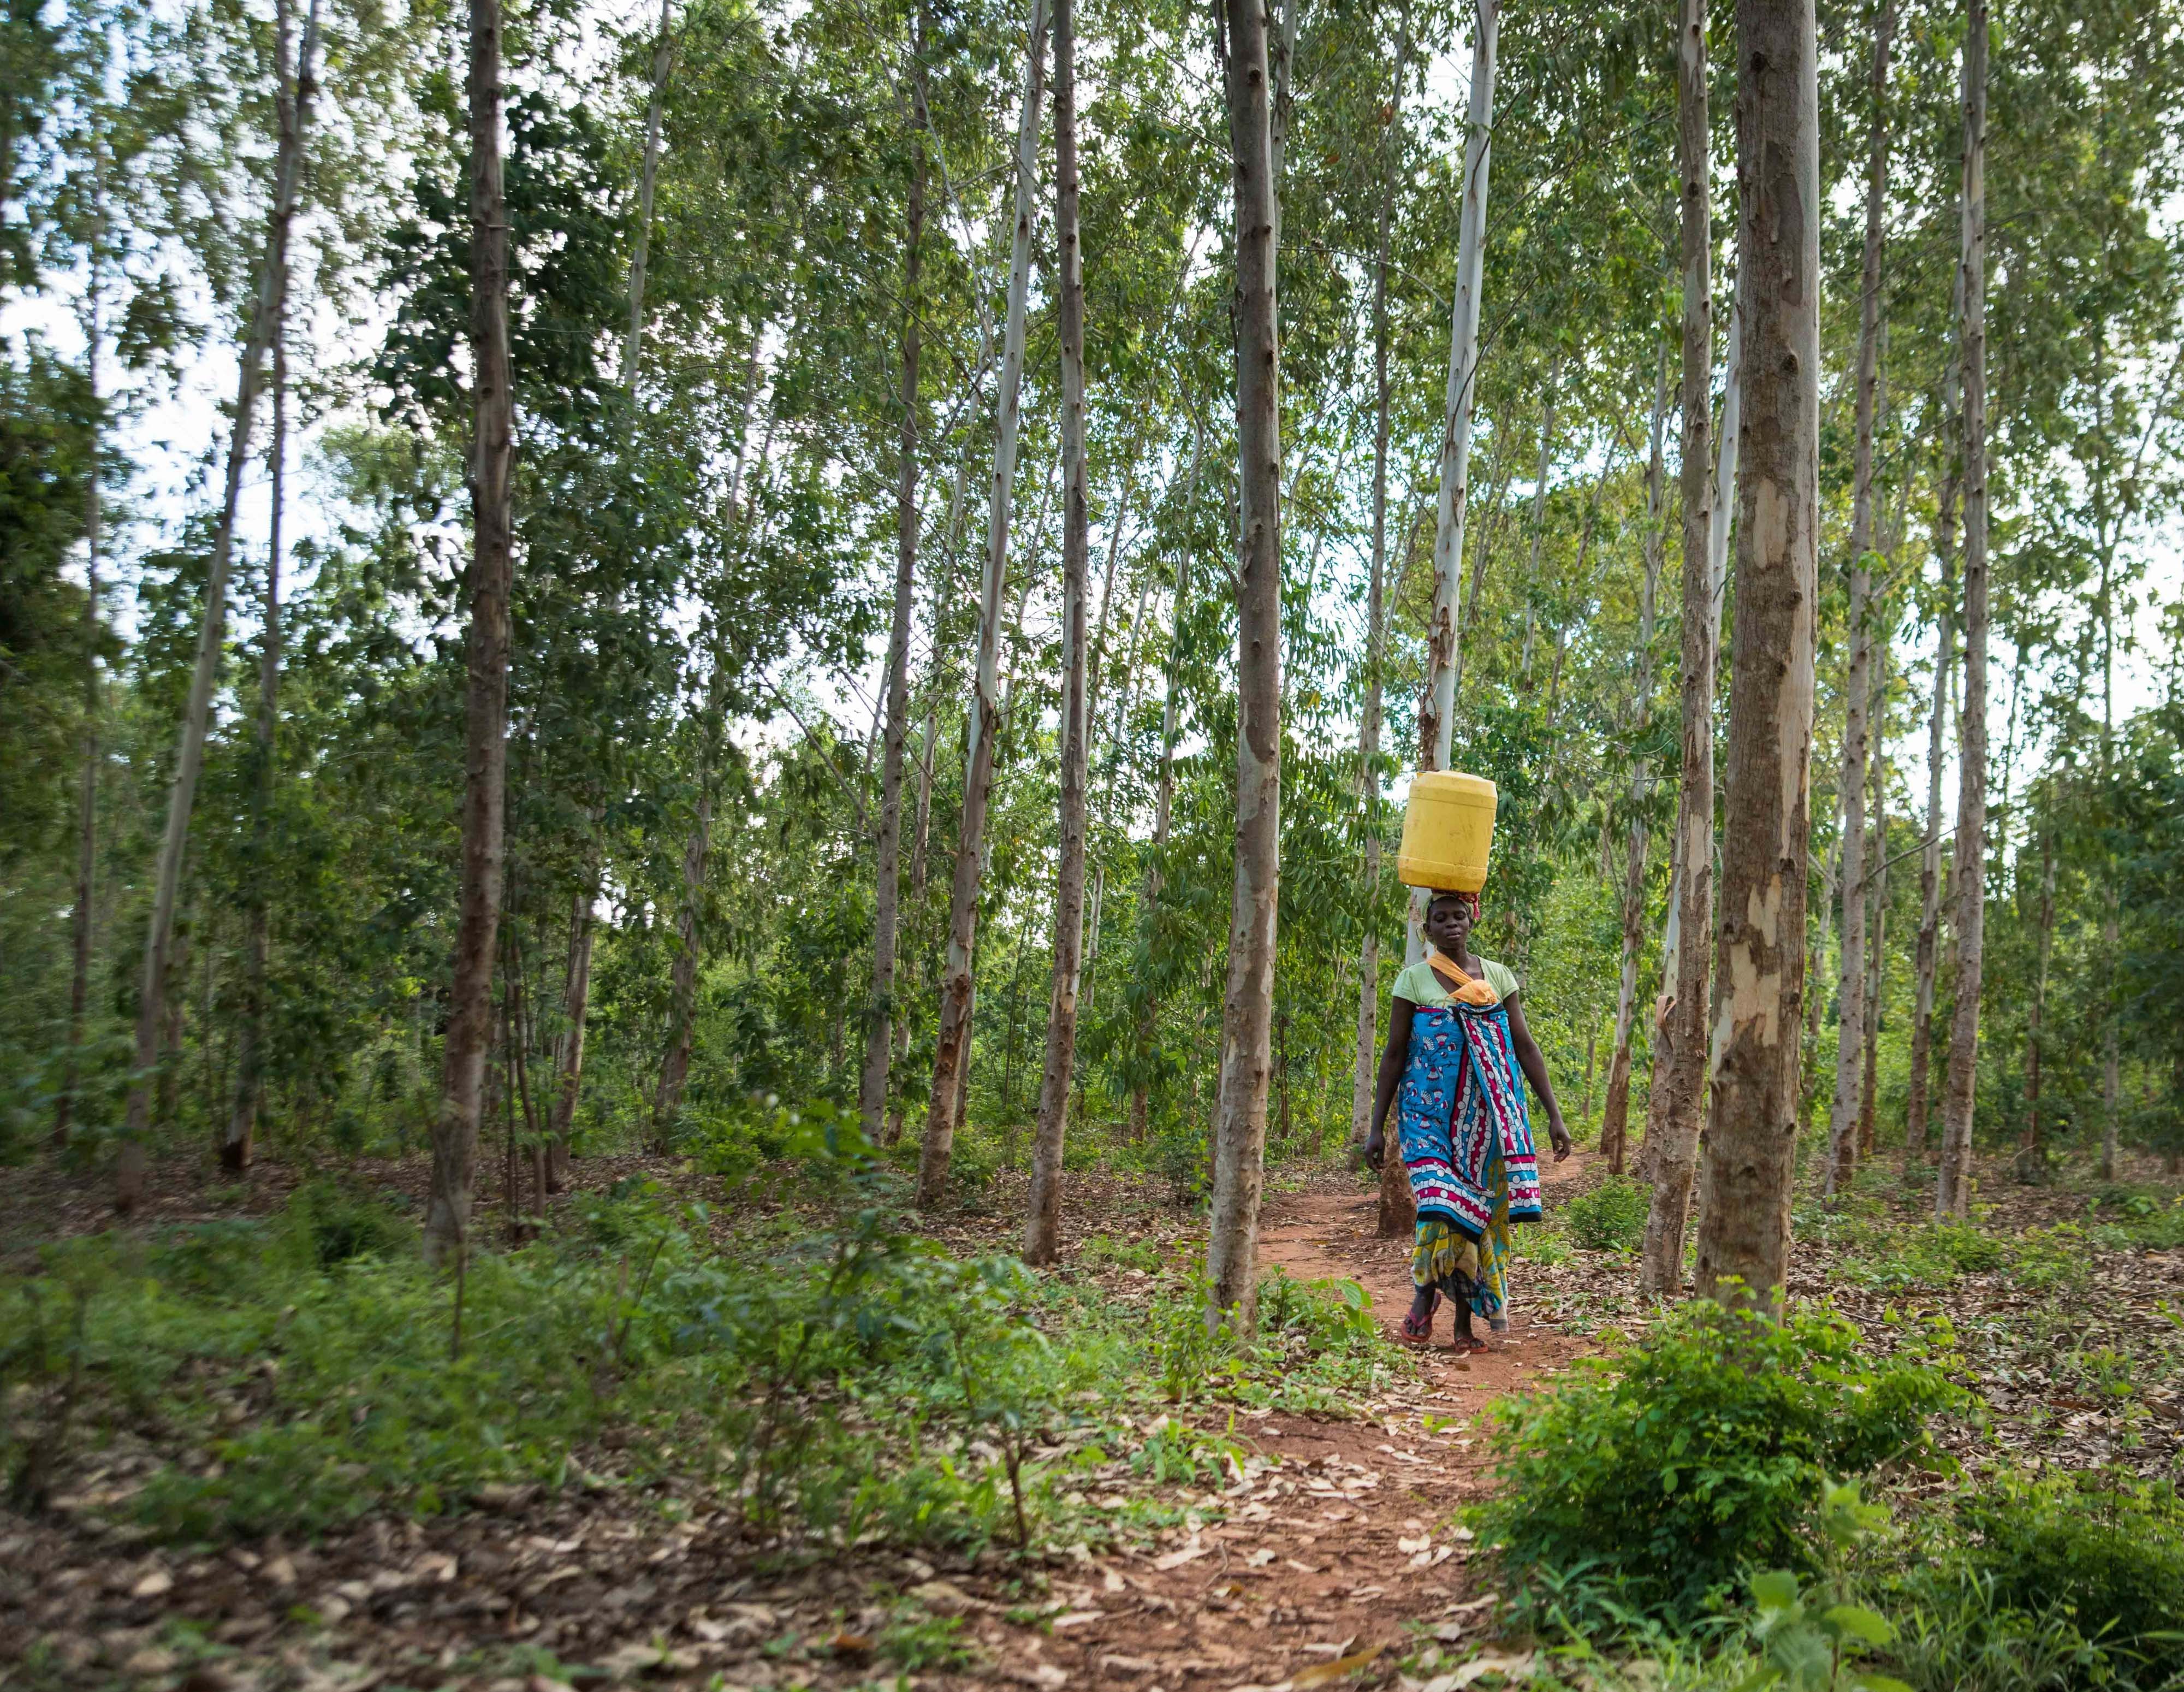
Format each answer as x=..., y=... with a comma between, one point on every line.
x=1414, y=1330
x=1469, y=1343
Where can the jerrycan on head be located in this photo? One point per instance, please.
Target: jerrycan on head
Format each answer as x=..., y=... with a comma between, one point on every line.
x=1448, y=832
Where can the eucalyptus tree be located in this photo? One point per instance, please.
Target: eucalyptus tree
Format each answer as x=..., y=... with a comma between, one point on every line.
x=951, y=1051
x=879, y=1033
x=1043, y=1215
x=1673, y=1106
x=492, y=455
x=1376, y=633
x=1744, y=1233
x=237, y=1138
x=1857, y=685
x=272, y=283
x=1953, y=1192
x=1437, y=702
x=1239, y=1125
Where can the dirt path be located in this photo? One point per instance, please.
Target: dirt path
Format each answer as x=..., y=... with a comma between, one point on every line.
x=1330, y=1552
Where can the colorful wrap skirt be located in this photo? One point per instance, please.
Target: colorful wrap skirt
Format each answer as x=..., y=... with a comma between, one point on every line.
x=1466, y=1137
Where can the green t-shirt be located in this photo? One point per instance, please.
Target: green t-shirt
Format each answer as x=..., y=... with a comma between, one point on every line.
x=1421, y=986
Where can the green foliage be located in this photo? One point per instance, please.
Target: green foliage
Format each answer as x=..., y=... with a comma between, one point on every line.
x=1610, y=1216
x=1937, y=1254
x=2110, y=1551
x=305, y=1364
x=1670, y=1469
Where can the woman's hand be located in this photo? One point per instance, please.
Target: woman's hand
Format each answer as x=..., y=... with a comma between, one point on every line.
x=1557, y=1136
x=1376, y=1147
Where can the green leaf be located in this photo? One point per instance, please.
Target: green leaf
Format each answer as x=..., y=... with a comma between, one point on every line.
x=1775, y=1589
x=1861, y=1623
x=1876, y=1683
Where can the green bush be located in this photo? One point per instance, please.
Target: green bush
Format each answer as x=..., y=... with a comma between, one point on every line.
x=2111, y=1552
x=1609, y=1217
x=1670, y=1469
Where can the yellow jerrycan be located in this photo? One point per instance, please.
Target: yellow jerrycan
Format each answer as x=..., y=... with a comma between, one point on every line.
x=1448, y=832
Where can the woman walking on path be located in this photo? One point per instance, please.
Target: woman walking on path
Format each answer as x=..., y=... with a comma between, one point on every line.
x=1457, y=1042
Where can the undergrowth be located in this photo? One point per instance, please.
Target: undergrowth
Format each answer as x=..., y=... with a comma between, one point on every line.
x=830, y=1374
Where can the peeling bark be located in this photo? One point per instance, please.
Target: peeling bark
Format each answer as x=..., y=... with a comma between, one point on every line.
x=1744, y=1234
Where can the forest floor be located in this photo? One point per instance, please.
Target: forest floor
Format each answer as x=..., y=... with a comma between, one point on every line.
x=1327, y=1548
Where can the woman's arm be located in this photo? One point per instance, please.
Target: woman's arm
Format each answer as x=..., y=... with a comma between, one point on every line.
x=1533, y=1062
x=1392, y=1056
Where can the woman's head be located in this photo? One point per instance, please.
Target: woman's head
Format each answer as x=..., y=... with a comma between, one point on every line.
x=1449, y=918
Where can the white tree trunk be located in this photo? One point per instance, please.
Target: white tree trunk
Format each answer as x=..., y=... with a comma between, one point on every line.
x=1953, y=1192
x=1437, y=702
x=1850, y=979
x=952, y=1049
x=1043, y=1219
x=189, y=758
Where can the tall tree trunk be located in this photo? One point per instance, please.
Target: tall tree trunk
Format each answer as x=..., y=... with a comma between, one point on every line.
x=1615, y=1118
x=1043, y=1219
x=1876, y=888
x=242, y=1126
x=576, y=999
x=2111, y=1010
x=1850, y=979
x=663, y=53
x=1918, y=1104
x=879, y=1021
x=689, y=926
x=189, y=757
x=576, y=983
x=1437, y=699
x=1164, y=790
x=1952, y=1192
x=952, y=1049
x=696, y=850
x=1539, y=509
x=1239, y=1125
x=492, y=452
x=2031, y=1154
x=1744, y=1232
x=1363, y=1075
x=1436, y=703
x=86, y=815
x=1673, y=1119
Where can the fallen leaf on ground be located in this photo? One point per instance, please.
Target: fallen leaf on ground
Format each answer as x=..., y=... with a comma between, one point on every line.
x=1340, y=1669
x=1176, y=1559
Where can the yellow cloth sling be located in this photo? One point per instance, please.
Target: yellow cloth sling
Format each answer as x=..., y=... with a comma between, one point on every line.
x=1461, y=986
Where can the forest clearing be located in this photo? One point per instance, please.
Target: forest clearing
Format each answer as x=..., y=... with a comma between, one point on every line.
x=922, y=844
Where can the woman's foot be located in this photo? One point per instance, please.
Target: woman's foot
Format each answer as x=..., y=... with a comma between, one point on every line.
x=1418, y=1324
x=1463, y=1339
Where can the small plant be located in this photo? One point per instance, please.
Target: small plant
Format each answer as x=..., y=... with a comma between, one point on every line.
x=1315, y=1318
x=2111, y=1549
x=1610, y=1217
x=1810, y=1642
x=1672, y=1467
x=917, y=1642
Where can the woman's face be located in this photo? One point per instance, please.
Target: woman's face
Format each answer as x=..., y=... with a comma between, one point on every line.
x=1449, y=920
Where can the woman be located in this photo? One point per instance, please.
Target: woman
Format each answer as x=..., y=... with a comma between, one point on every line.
x=1456, y=1041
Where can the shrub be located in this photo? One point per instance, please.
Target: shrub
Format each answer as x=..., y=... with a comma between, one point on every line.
x=1670, y=1468
x=1610, y=1217
x=2112, y=1551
